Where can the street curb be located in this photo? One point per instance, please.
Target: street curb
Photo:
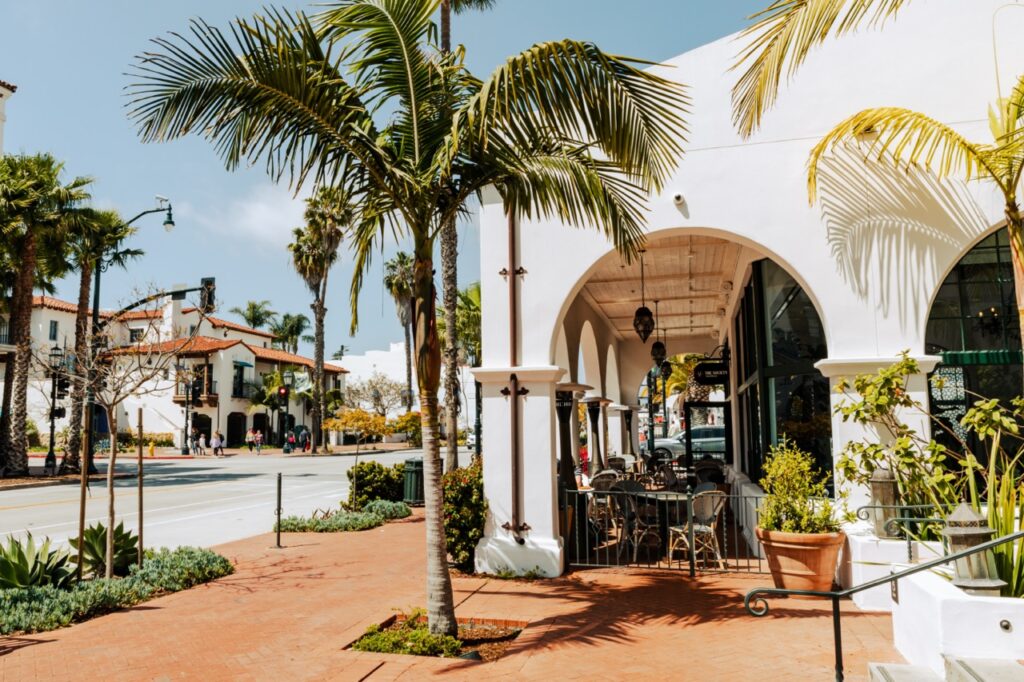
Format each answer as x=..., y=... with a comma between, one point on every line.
x=133, y=456
x=70, y=481
x=348, y=454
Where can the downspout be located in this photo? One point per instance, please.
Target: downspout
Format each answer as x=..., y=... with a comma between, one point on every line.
x=513, y=391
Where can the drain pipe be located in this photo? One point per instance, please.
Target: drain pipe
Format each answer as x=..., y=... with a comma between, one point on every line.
x=513, y=391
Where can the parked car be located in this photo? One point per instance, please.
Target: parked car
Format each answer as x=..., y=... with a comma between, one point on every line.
x=706, y=440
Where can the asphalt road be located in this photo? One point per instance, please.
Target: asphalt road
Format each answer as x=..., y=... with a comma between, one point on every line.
x=202, y=502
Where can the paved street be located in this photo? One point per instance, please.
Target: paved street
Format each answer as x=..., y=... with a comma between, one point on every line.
x=204, y=501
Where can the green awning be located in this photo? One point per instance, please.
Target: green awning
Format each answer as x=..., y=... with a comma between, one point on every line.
x=982, y=357
x=239, y=363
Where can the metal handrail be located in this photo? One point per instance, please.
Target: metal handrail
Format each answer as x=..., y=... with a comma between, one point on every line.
x=756, y=604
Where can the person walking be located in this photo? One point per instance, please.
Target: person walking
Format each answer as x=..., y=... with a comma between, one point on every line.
x=201, y=446
x=250, y=439
x=257, y=440
x=217, y=442
x=306, y=440
x=194, y=440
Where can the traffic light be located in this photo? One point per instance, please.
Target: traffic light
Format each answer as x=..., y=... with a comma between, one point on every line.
x=197, y=391
x=282, y=392
x=63, y=384
x=59, y=412
x=207, y=299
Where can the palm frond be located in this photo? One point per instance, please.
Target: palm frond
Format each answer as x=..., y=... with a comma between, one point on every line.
x=576, y=91
x=781, y=39
x=268, y=91
x=906, y=138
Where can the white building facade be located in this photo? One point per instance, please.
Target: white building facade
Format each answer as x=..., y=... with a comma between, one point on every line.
x=6, y=90
x=799, y=294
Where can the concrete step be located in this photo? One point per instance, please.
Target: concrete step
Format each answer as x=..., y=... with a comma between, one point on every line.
x=983, y=670
x=895, y=672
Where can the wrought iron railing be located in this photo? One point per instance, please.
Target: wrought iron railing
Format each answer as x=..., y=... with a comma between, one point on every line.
x=757, y=605
x=651, y=529
x=902, y=522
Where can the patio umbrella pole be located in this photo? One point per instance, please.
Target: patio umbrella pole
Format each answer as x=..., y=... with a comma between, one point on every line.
x=513, y=391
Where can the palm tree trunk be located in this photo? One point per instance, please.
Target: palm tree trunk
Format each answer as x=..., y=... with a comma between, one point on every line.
x=17, y=461
x=316, y=414
x=450, y=283
x=408, y=359
x=5, y=408
x=72, y=463
x=446, y=26
x=440, y=602
x=112, y=422
x=1015, y=227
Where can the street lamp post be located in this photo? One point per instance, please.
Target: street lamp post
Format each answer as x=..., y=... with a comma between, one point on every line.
x=164, y=205
x=650, y=414
x=56, y=361
x=183, y=372
x=289, y=380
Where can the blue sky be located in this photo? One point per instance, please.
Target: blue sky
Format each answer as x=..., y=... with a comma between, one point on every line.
x=68, y=59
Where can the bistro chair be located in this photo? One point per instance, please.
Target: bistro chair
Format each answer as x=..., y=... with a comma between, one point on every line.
x=671, y=479
x=617, y=463
x=707, y=512
x=709, y=470
x=640, y=525
x=603, y=509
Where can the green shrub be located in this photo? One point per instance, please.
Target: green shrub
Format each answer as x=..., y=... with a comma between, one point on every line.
x=32, y=433
x=336, y=523
x=374, y=481
x=94, y=551
x=126, y=439
x=38, y=609
x=24, y=564
x=465, y=511
x=409, y=637
x=387, y=509
x=796, y=500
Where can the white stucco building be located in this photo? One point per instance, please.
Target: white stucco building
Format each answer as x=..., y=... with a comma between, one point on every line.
x=6, y=90
x=800, y=294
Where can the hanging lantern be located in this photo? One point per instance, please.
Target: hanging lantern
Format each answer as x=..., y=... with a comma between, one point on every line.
x=658, y=352
x=643, y=318
x=975, y=573
x=666, y=370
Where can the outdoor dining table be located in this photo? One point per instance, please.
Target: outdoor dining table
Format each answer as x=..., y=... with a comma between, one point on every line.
x=663, y=501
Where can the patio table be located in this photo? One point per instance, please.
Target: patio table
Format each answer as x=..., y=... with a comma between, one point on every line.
x=663, y=500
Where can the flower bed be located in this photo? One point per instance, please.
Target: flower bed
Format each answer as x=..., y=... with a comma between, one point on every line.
x=38, y=609
x=407, y=634
x=339, y=522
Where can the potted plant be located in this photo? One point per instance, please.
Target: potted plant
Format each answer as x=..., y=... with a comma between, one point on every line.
x=797, y=524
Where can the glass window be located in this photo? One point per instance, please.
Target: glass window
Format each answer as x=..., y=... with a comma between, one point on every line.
x=135, y=335
x=54, y=328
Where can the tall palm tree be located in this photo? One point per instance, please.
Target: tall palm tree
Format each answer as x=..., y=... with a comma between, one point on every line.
x=908, y=139
x=288, y=330
x=449, y=263
x=780, y=40
x=398, y=280
x=93, y=236
x=560, y=130
x=257, y=314
x=32, y=191
x=314, y=252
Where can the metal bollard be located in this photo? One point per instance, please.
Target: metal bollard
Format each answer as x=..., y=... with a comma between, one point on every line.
x=278, y=510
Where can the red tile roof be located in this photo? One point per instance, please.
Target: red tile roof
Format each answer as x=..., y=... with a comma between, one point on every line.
x=279, y=356
x=53, y=303
x=199, y=345
x=9, y=86
x=228, y=324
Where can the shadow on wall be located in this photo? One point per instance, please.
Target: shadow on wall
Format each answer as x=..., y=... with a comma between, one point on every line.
x=886, y=226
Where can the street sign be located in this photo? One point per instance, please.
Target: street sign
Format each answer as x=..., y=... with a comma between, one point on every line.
x=713, y=373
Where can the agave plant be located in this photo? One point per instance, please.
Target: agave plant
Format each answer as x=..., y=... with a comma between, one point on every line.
x=26, y=565
x=94, y=550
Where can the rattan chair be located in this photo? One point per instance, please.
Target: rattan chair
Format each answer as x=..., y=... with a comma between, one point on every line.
x=640, y=525
x=707, y=512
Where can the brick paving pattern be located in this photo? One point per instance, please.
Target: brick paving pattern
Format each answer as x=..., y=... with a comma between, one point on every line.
x=288, y=614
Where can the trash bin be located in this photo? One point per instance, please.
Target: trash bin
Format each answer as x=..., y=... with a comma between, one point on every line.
x=414, y=481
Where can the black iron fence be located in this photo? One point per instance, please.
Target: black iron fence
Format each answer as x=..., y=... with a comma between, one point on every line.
x=709, y=529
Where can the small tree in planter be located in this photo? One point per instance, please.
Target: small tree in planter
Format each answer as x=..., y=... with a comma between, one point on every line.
x=797, y=525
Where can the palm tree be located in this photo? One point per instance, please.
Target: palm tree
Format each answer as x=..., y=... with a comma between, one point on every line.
x=38, y=206
x=449, y=265
x=314, y=251
x=561, y=130
x=908, y=139
x=780, y=41
x=94, y=236
x=288, y=330
x=257, y=314
x=398, y=280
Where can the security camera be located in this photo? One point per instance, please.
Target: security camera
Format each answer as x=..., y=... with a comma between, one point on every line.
x=678, y=199
x=160, y=197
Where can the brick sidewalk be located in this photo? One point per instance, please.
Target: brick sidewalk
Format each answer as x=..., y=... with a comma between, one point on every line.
x=287, y=614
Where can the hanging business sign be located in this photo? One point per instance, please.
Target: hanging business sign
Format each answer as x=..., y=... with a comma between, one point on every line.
x=711, y=373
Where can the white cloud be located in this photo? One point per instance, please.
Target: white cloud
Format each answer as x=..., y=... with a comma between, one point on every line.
x=266, y=214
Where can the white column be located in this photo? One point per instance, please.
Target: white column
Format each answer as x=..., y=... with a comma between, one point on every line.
x=540, y=547
x=844, y=432
x=616, y=442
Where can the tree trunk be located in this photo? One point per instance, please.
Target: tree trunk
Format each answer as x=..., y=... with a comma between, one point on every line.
x=17, y=462
x=446, y=26
x=71, y=462
x=112, y=421
x=440, y=603
x=450, y=283
x=5, y=408
x=1014, y=225
x=408, y=358
x=318, y=371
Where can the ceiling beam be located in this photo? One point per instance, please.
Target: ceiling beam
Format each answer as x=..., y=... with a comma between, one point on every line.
x=662, y=299
x=660, y=278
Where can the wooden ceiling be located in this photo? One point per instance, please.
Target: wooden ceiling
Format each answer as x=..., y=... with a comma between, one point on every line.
x=689, y=276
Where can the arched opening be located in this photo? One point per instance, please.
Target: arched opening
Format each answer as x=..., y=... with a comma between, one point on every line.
x=261, y=423
x=588, y=366
x=236, y=429
x=974, y=327
x=203, y=424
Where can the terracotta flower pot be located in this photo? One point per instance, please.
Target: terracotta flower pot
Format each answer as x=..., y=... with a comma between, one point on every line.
x=802, y=561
